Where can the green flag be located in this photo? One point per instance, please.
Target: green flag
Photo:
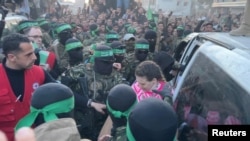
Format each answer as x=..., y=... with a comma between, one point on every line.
x=149, y=14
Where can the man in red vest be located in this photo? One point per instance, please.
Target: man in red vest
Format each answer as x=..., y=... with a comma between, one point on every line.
x=19, y=78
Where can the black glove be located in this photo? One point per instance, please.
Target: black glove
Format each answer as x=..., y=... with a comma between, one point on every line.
x=165, y=93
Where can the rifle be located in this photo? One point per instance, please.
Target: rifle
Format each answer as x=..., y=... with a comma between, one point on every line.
x=83, y=82
x=89, y=125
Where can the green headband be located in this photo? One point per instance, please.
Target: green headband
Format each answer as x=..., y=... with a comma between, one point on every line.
x=180, y=28
x=43, y=23
x=119, y=51
x=111, y=36
x=49, y=112
x=43, y=57
x=119, y=114
x=129, y=133
x=141, y=46
x=26, y=25
x=61, y=28
x=73, y=45
x=104, y=53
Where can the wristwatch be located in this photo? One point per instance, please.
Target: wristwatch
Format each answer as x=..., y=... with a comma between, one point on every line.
x=89, y=103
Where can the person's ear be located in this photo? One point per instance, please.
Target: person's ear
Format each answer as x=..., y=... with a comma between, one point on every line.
x=11, y=57
x=154, y=81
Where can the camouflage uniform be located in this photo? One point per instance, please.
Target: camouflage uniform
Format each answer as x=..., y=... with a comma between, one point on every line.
x=61, y=55
x=99, y=85
x=47, y=40
x=98, y=88
x=87, y=40
x=120, y=134
x=64, y=33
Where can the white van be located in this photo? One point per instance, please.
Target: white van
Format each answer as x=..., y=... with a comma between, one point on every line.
x=214, y=87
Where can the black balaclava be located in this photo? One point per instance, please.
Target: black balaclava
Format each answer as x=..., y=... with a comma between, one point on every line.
x=152, y=120
x=74, y=48
x=103, y=60
x=120, y=101
x=165, y=61
x=50, y=93
x=118, y=50
x=64, y=33
x=151, y=37
x=141, y=49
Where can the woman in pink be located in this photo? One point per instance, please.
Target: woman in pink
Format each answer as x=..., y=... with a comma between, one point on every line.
x=150, y=82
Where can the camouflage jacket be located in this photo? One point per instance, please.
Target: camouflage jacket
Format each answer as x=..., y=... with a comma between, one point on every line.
x=120, y=134
x=92, y=40
x=98, y=85
x=47, y=40
x=61, y=55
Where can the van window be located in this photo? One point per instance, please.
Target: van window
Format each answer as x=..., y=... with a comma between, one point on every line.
x=208, y=95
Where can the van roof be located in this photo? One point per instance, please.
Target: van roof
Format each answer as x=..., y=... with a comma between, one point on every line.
x=227, y=40
x=237, y=44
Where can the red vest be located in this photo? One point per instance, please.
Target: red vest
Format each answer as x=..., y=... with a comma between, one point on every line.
x=11, y=109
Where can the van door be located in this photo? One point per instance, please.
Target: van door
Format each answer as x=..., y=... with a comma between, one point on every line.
x=189, y=50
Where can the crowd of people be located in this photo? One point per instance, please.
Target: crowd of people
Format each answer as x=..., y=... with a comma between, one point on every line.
x=67, y=75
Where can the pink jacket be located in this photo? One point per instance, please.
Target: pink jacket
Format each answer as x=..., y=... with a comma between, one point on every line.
x=141, y=94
